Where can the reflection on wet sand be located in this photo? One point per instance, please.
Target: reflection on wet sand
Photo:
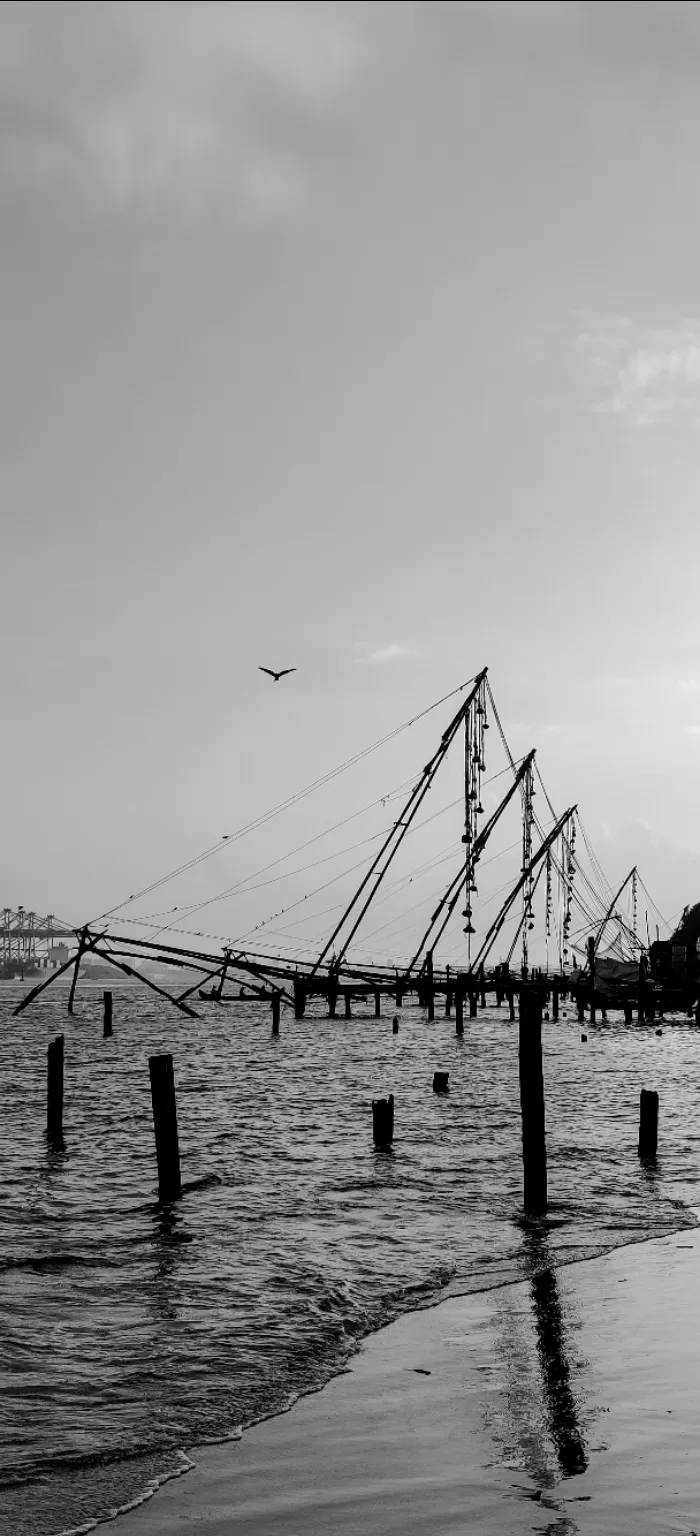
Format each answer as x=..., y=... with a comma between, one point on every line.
x=561, y=1407
x=540, y=1429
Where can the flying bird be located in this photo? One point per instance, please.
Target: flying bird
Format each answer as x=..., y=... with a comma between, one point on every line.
x=277, y=675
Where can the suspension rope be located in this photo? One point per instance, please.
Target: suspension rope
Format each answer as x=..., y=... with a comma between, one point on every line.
x=284, y=805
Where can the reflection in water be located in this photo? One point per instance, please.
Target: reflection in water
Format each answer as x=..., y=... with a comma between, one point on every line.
x=170, y=1241
x=560, y=1404
x=56, y=1155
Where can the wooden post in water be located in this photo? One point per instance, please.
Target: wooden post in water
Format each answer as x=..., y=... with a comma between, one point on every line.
x=448, y=993
x=555, y=1004
x=332, y=997
x=165, y=1127
x=429, y=991
x=648, y=1123
x=275, y=1013
x=107, y=1025
x=383, y=1121
x=472, y=1003
x=511, y=1004
x=459, y=1010
x=482, y=984
x=532, y=1102
x=299, y=998
x=377, y=1003
x=441, y=1082
x=348, y=1003
x=54, y=1090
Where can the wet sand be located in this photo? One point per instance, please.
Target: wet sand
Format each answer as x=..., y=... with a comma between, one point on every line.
x=567, y=1403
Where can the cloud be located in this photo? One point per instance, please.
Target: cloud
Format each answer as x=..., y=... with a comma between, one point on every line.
x=689, y=684
x=384, y=653
x=175, y=102
x=645, y=374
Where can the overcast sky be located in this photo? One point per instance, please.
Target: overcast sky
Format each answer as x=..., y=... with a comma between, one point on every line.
x=358, y=338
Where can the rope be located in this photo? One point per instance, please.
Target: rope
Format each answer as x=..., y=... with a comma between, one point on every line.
x=284, y=805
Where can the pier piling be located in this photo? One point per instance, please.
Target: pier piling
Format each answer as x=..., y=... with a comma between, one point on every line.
x=441, y=1082
x=165, y=1127
x=377, y=1003
x=383, y=1121
x=54, y=1090
x=276, y=1014
x=107, y=1021
x=648, y=1123
x=532, y=1103
x=459, y=1011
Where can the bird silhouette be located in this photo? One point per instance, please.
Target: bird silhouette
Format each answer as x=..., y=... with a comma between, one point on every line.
x=277, y=675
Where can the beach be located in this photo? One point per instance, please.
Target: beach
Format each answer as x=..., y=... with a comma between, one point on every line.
x=563, y=1404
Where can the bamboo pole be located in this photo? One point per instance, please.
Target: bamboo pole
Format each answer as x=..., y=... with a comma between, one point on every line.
x=128, y=970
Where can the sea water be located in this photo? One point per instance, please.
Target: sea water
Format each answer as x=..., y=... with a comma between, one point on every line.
x=131, y=1333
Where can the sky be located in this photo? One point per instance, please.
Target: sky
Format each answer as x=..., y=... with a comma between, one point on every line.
x=360, y=338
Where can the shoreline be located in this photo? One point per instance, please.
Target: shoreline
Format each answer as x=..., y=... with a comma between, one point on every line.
x=275, y=1471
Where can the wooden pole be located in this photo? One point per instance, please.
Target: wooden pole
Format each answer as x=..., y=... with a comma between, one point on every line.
x=472, y=1003
x=459, y=1011
x=591, y=969
x=482, y=984
x=107, y=1024
x=121, y=965
x=276, y=1013
x=165, y=1127
x=54, y=1090
x=332, y=998
x=383, y=1121
x=42, y=987
x=511, y=1004
x=82, y=946
x=648, y=1123
x=299, y=998
x=555, y=1004
x=348, y=1003
x=377, y=1003
x=532, y=1102
x=441, y=1082
x=430, y=994
x=224, y=968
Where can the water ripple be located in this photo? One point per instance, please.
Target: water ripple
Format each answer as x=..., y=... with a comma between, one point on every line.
x=131, y=1331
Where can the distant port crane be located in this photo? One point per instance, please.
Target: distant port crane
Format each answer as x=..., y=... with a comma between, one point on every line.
x=27, y=940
